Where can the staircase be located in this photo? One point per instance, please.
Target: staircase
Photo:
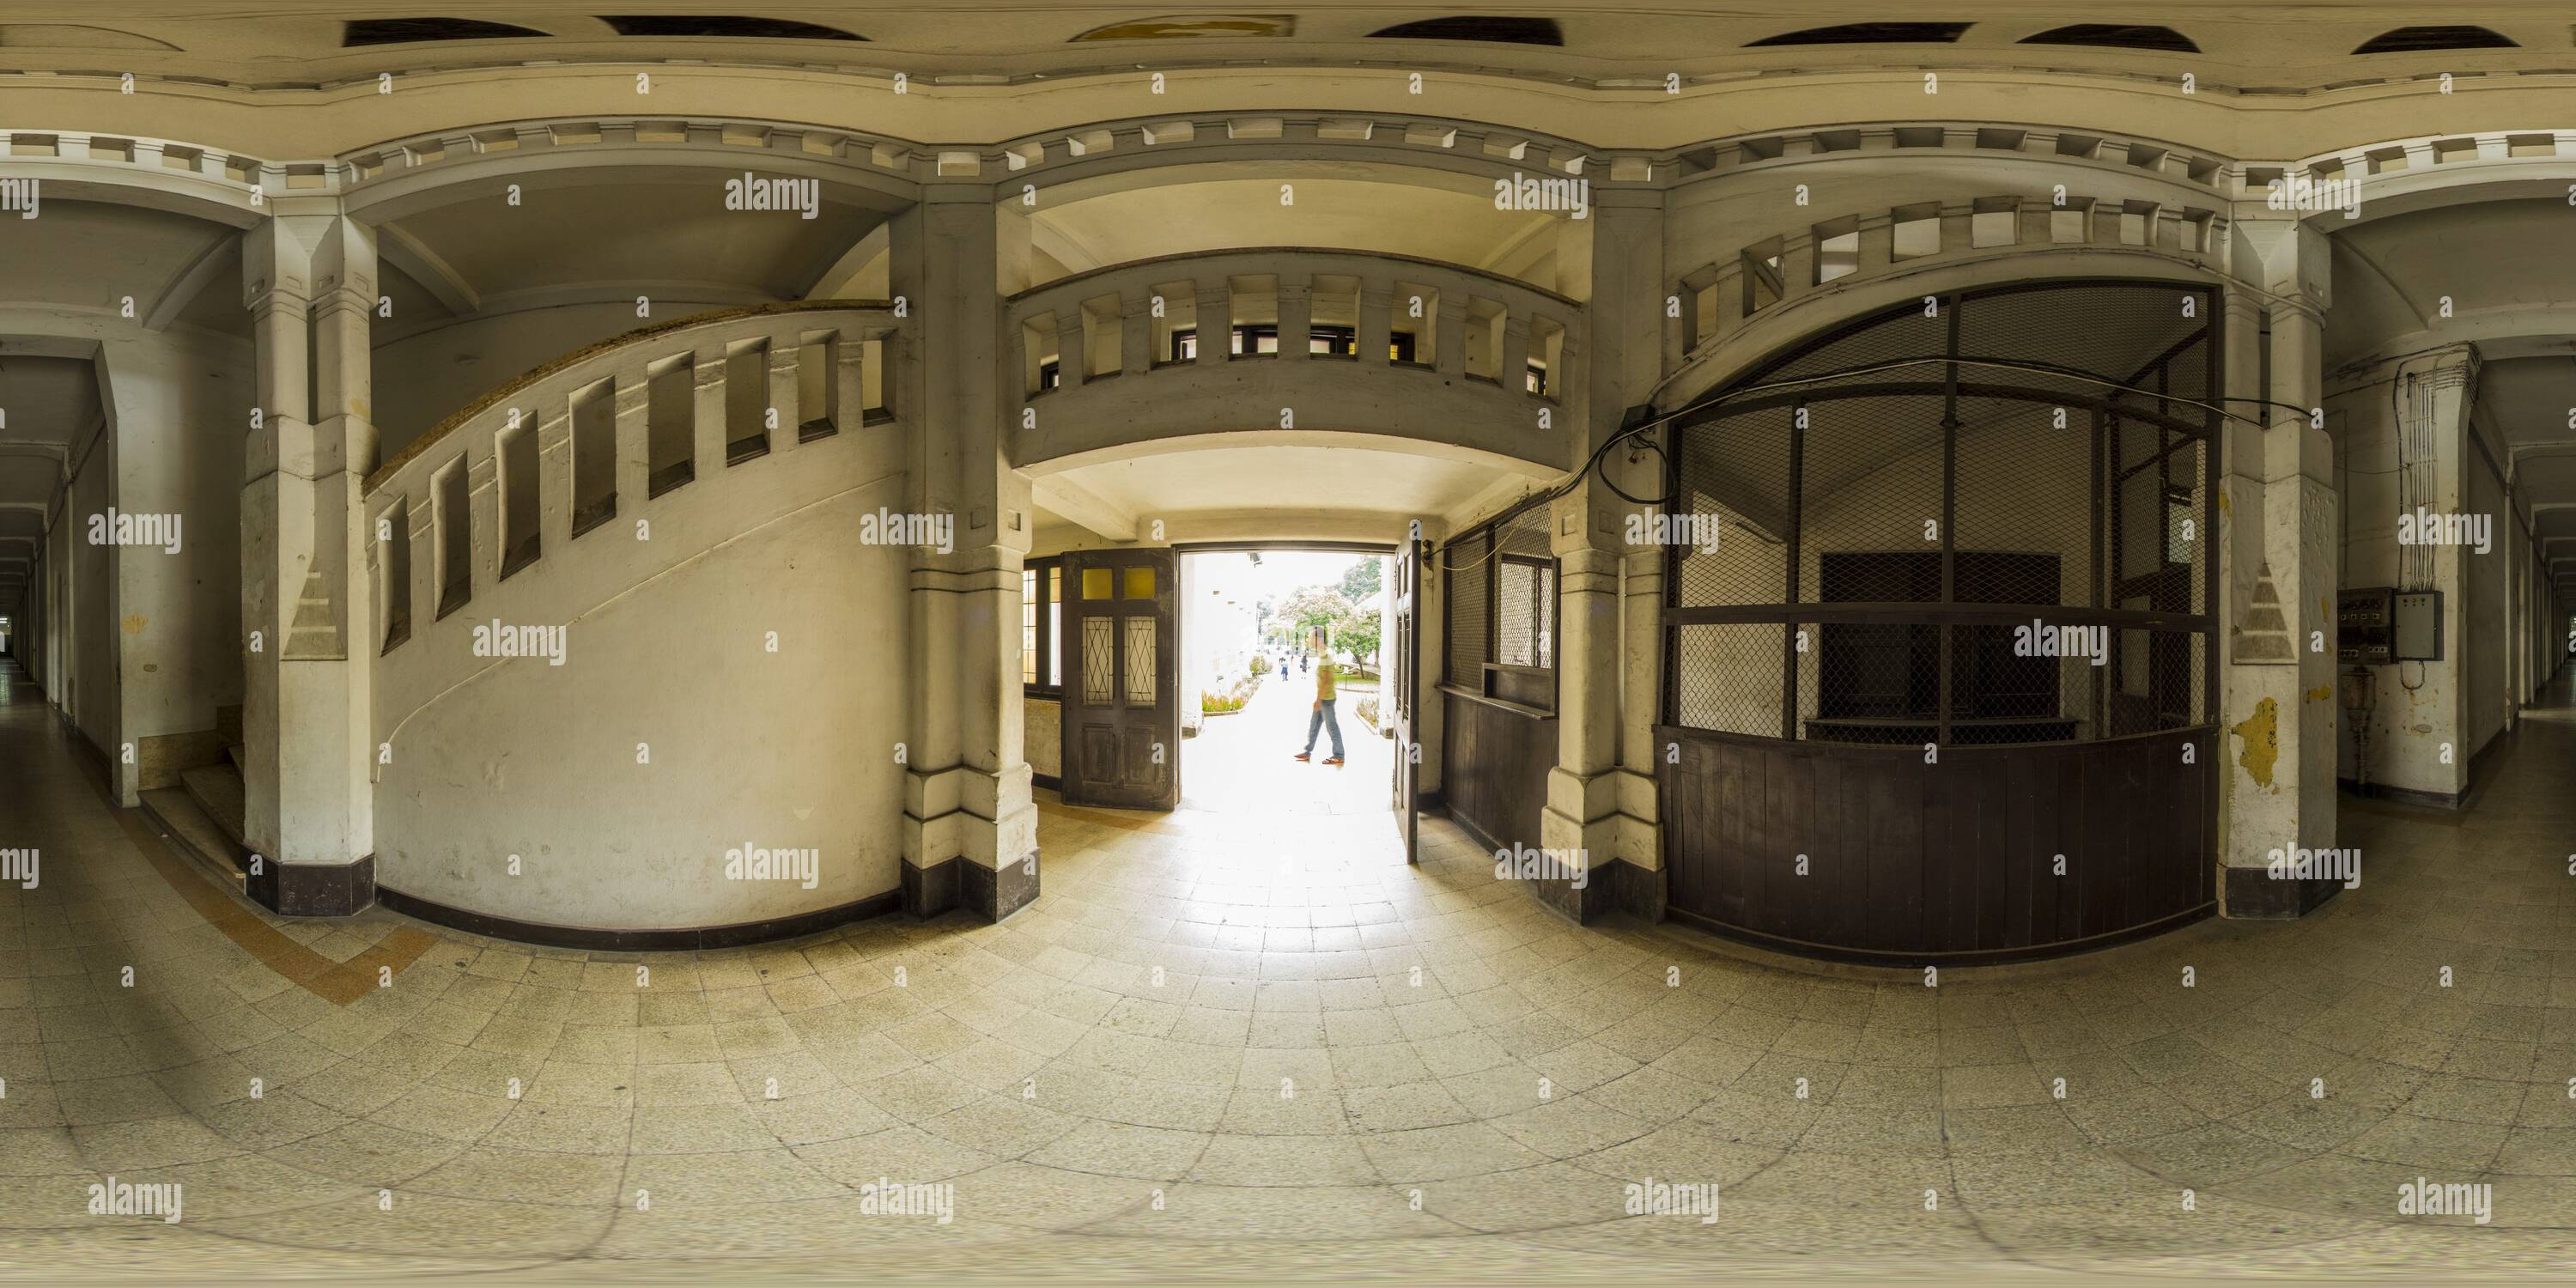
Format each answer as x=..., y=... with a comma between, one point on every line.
x=204, y=815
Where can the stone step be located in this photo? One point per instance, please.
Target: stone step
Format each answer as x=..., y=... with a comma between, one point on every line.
x=217, y=789
x=228, y=722
x=233, y=753
x=193, y=834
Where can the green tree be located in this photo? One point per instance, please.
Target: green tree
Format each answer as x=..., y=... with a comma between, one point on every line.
x=1309, y=607
x=1361, y=584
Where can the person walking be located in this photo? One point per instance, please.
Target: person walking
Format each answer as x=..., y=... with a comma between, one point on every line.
x=1323, y=717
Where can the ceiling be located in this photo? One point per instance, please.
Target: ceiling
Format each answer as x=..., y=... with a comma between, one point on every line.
x=1339, y=213
x=288, y=42
x=1226, y=481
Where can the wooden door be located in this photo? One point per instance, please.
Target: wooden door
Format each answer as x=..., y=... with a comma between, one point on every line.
x=1122, y=714
x=1402, y=689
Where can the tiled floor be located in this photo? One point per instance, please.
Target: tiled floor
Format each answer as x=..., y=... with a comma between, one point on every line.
x=1258, y=1047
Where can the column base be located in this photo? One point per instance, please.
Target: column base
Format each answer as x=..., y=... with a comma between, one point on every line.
x=990, y=893
x=313, y=889
x=2250, y=894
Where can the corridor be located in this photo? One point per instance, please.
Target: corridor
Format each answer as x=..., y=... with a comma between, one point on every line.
x=1256, y=1046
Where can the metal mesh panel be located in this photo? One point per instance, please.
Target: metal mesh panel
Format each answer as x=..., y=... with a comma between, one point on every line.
x=2024, y=510
x=1733, y=501
x=1870, y=481
x=1902, y=332
x=1728, y=678
x=2112, y=331
x=2069, y=505
x=1467, y=567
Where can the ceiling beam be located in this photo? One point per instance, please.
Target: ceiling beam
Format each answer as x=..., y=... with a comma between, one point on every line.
x=1080, y=505
x=423, y=265
x=837, y=279
x=222, y=251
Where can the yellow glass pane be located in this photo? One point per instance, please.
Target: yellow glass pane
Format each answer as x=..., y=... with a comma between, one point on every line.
x=1095, y=583
x=1140, y=583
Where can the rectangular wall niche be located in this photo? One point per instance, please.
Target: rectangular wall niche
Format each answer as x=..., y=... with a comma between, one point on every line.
x=746, y=390
x=671, y=423
x=452, y=513
x=517, y=458
x=594, y=456
x=393, y=572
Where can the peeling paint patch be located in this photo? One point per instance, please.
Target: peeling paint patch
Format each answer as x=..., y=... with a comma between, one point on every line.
x=2262, y=734
x=2321, y=693
x=134, y=623
x=2225, y=506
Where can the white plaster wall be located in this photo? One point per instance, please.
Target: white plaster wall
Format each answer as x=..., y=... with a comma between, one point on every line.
x=421, y=379
x=667, y=645
x=178, y=416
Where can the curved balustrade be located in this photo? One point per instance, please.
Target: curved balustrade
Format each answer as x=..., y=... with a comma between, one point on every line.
x=565, y=568
x=1719, y=299
x=1295, y=339
x=516, y=477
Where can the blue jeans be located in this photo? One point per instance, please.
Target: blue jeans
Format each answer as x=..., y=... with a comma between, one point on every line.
x=1323, y=719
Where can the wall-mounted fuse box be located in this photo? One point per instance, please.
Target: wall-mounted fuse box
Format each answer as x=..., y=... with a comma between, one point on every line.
x=2416, y=625
x=2363, y=620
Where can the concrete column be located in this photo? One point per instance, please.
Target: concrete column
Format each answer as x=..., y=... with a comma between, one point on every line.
x=306, y=715
x=783, y=395
x=1600, y=668
x=1136, y=332
x=1514, y=374
x=970, y=827
x=1450, y=359
x=1376, y=321
x=1296, y=319
x=1215, y=314
x=707, y=426
x=2279, y=713
x=1071, y=358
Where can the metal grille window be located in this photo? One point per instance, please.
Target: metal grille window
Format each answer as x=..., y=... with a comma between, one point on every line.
x=1985, y=525
x=1501, y=610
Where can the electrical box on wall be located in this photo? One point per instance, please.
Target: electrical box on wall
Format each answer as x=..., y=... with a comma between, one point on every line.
x=2416, y=625
x=2362, y=620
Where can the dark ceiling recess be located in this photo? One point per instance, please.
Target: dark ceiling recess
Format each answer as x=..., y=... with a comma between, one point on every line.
x=2409, y=40
x=2108, y=35
x=1871, y=33
x=404, y=31
x=1501, y=31
x=662, y=24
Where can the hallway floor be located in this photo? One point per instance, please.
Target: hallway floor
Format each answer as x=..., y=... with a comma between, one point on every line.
x=1259, y=1046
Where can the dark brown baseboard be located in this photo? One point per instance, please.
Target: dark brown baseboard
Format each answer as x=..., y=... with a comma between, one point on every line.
x=737, y=935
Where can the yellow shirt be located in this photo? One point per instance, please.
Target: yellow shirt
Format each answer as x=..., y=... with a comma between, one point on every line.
x=1323, y=682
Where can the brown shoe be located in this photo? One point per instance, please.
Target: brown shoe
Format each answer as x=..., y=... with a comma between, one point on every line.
x=1305, y=755
x=1330, y=760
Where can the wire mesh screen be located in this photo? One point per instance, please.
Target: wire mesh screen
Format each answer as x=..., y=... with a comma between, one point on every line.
x=2003, y=543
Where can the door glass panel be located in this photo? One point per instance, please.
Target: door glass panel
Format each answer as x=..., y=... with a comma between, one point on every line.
x=1095, y=583
x=1140, y=583
x=1140, y=659
x=1097, y=644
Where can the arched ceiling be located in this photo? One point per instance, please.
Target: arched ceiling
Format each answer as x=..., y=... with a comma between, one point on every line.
x=1362, y=214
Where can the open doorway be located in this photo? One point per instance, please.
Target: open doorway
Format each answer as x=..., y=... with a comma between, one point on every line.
x=1256, y=625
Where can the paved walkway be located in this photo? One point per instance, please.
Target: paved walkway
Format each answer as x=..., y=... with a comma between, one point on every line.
x=1254, y=1048
x=1241, y=763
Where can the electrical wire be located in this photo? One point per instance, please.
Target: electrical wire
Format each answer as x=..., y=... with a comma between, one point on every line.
x=2214, y=406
